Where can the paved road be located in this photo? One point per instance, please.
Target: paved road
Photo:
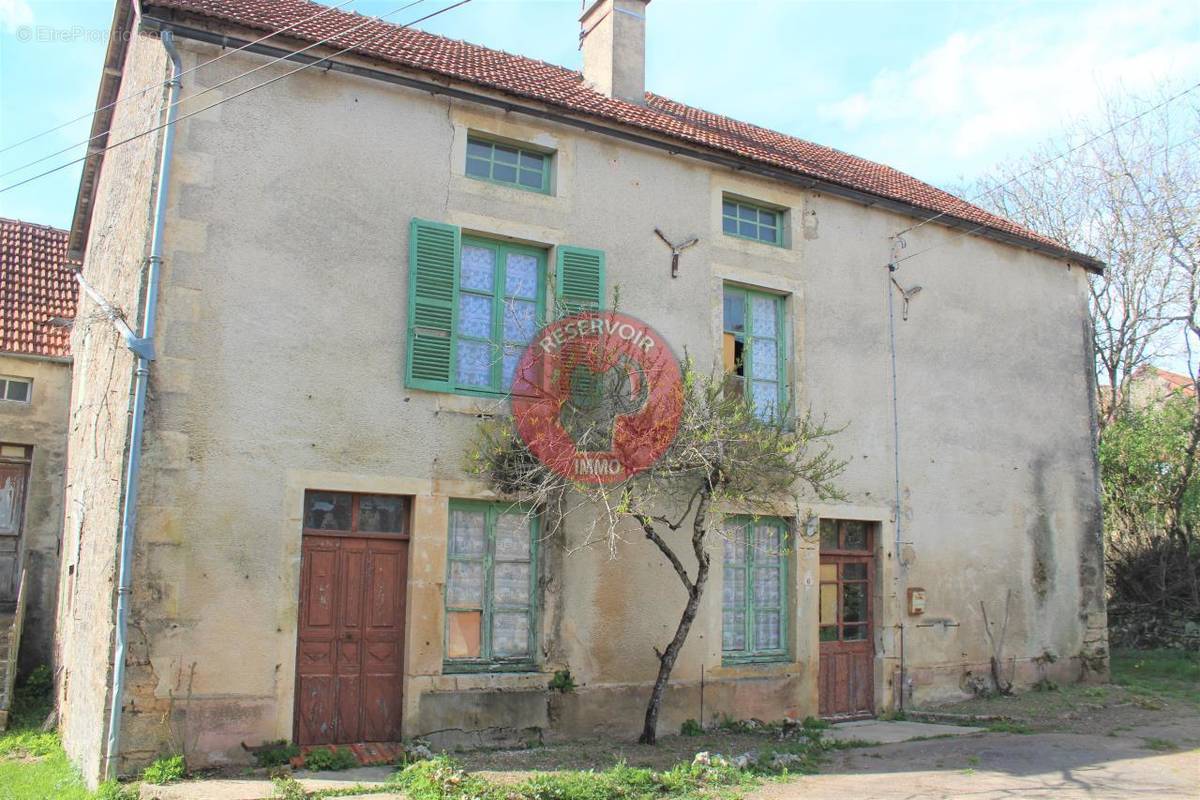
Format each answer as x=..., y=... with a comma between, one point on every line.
x=994, y=765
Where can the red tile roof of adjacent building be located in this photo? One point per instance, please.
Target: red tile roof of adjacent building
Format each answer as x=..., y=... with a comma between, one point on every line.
x=37, y=285
x=564, y=88
x=1172, y=381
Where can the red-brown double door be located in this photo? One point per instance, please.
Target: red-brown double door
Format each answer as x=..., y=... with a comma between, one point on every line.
x=350, y=655
x=847, y=662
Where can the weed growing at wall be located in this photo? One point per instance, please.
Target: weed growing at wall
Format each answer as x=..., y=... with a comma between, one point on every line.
x=330, y=760
x=275, y=754
x=167, y=769
x=563, y=682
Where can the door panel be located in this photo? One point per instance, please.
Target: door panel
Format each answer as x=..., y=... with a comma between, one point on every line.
x=315, y=662
x=847, y=641
x=350, y=651
x=12, y=508
x=383, y=665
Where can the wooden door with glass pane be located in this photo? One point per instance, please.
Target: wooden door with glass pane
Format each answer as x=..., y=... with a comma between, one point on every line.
x=350, y=643
x=847, y=659
x=13, y=474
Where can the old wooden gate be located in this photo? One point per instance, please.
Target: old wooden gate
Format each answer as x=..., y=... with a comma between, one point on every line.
x=13, y=476
x=350, y=650
x=847, y=664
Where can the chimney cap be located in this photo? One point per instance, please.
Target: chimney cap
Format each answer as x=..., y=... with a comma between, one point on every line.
x=592, y=8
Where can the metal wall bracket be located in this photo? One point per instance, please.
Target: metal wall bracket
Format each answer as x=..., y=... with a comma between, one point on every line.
x=142, y=348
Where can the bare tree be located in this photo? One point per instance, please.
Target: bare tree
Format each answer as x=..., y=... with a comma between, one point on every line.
x=1121, y=187
x=724, y=458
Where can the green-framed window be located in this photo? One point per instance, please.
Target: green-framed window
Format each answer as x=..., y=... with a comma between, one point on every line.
x=754, y=606
x=512, y=165
x=751, y=221
x=491, y=581
x=501, y=305
x=474, y=304
x=755, y=348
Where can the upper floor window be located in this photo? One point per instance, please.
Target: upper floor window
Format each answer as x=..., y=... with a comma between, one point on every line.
x=755, y=599
x=18, y=390
x=755, y=348
x=474, y=305
x=501, y=302
x=510, y=164
x=751, y=221
x=490, y=583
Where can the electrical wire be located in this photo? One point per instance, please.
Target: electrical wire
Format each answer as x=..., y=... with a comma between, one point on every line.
x=153, y=86
x=237, y=95
x=225, y=82
x=1038, y=166
x=977, y=228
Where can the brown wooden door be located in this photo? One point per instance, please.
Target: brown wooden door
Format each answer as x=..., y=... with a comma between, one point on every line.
x=847, y=662
x=12, y=512
x=350, y=649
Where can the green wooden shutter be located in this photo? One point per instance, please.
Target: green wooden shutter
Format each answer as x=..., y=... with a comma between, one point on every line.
x=579, y=280
x=432, y=286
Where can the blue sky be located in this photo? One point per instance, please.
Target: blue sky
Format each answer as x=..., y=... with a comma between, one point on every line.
x=940, y=90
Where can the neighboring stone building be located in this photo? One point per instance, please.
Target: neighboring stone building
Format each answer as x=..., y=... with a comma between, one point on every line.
x=342, y=250
x=1150, y=385
x=37, y=304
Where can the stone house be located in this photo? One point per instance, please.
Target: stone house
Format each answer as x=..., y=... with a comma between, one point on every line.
x=324, y=270
x=1150, y=385
x=37, y=304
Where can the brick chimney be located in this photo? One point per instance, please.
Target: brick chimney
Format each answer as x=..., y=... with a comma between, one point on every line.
x=613, y=39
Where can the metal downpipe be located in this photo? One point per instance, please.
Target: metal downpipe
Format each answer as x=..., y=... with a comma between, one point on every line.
x=138, y=413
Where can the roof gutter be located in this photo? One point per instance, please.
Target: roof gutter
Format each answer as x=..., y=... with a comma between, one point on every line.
x=206, y=36
x=35, y=357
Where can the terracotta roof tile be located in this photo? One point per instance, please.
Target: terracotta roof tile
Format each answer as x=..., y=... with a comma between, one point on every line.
x=558, y=86
x=36, y=284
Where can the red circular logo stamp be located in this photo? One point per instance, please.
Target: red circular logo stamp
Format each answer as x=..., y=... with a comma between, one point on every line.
x=597, y=396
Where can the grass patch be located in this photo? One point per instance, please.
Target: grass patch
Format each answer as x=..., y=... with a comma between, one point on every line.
x=41, y=778
x=33, y=765
x=1008, y=726
x=441, y=778
x=1163, y=745
x=1173, y=674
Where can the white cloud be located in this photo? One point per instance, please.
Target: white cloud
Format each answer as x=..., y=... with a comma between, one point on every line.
x=14, y=14
x=979, y=94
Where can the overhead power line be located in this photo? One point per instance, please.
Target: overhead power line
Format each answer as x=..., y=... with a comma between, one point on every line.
x=1051, y=160
x=981, y=226
x=225, y=82
x=160, y=84
x=182, y=117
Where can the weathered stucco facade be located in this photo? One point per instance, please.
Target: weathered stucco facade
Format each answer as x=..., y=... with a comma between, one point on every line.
x=39, y=426
x=280, y=369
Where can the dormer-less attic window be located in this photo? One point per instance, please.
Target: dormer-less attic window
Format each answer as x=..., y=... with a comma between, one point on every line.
x=512, y=165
